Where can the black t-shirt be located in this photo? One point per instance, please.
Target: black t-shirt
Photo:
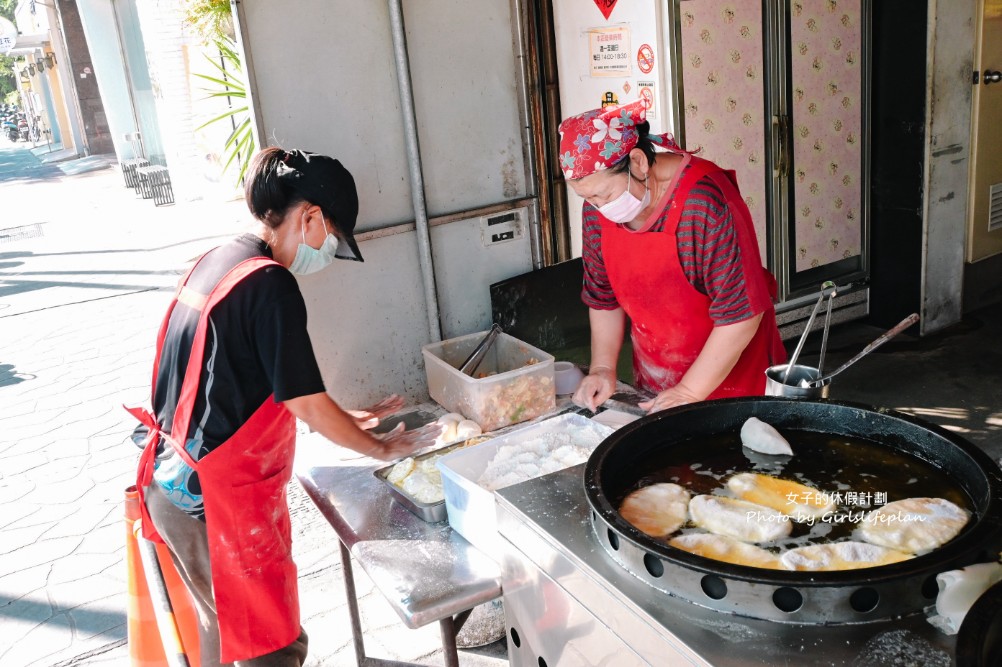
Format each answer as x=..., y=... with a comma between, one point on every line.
x=256, y=345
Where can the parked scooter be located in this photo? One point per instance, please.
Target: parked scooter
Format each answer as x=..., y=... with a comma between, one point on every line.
x=10, y=128
x=23, y=128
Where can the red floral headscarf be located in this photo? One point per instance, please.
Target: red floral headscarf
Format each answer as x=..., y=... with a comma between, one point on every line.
x=597, y=139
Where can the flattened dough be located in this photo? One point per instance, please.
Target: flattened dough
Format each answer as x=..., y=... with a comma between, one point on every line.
x=914, y=524
x=758, y=436
x=795, y=500
x=658, y=509
x=399, y=472
x=839, y=556
x=727, y=549
x=739, y=519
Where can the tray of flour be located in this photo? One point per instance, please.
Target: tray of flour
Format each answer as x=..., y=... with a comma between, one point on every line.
x=470, y=477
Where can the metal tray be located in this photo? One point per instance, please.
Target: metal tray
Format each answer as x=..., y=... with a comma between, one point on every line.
x=430, y=512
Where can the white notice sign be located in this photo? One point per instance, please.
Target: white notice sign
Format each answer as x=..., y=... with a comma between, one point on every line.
x=609, y=51
x=8, y=36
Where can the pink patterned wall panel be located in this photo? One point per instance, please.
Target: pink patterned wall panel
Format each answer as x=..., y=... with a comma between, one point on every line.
x=722, y=75
x=826, y=43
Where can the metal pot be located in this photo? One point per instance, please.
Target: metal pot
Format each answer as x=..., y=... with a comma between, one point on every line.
x=775, y=385
x=853, y=596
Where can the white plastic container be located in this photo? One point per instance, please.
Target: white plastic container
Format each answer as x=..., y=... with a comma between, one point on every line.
x=514, y=382
x=471, y=507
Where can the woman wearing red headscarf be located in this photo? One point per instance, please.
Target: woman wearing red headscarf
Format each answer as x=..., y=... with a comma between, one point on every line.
x=668, y=242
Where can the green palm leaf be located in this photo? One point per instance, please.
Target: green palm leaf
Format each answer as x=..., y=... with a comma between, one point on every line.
x=227, y=81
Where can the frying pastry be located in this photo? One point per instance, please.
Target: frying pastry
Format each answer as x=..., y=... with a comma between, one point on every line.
x=658, y=509
x=839, y=556
x=729, y=550
x=739, y=519
x=761, y=437
x=795, y=500
x=914, y=524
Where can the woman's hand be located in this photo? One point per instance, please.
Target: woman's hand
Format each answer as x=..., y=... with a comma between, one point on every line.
x=399, y=443
x=368, y=418
x=595, y=388
x=669, y=398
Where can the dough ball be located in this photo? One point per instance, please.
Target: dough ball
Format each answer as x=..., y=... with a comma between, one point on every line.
x=450, y=422
x=467, y=429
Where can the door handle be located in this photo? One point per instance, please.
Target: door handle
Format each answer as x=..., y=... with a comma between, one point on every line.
x=992, y=77
x=780, y=145
x=777, y=151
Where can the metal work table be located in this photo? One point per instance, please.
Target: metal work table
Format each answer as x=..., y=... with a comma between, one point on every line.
x=426, y=571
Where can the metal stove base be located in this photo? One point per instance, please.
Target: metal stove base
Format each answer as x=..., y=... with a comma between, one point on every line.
x=568, y=603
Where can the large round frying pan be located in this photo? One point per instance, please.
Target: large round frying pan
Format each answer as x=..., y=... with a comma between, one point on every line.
x=710, y=429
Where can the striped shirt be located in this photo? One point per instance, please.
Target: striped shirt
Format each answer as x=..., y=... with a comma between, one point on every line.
x=707, y=248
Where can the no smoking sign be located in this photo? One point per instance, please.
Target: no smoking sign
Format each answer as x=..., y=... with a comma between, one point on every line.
x=645, y=58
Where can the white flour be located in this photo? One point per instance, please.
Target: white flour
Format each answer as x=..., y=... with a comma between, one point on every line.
x=541, y=455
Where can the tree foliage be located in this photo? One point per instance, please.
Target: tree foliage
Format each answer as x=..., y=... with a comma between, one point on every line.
x=8, y=65
x=210, y=19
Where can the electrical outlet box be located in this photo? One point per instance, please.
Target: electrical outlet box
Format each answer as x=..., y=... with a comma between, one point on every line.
x=502, y=227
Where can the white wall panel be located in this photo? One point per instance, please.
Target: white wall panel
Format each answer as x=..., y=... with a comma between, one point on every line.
x=465, y=270
x=465, y=98
x=367, y=323
x=325, y=81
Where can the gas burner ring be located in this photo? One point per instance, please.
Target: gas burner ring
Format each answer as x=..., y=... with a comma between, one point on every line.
x=809, y=598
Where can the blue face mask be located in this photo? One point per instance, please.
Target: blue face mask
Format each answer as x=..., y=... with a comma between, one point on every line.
x=310, y=260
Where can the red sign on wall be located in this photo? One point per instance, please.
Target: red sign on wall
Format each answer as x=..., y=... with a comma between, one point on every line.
x=606, y=7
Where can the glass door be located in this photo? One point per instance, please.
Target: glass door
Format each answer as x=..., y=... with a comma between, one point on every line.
x=143, y=89
x=723, y=72
x=777, y=90
x=829, y=172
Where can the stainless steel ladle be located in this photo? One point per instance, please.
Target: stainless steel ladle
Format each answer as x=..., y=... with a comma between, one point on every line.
x=891, y=333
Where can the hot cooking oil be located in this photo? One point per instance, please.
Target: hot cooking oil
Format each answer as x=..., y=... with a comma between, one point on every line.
x=858, y=475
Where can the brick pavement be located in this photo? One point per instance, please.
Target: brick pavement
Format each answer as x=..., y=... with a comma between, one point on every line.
x=86, y=270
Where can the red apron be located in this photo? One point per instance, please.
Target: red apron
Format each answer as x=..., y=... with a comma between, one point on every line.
x=670, y=318
x=243, y=489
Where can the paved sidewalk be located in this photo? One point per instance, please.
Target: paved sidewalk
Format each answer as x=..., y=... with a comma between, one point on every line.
x=86, y=270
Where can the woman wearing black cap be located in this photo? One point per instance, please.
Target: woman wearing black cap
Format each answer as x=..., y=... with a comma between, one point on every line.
x=234, y=369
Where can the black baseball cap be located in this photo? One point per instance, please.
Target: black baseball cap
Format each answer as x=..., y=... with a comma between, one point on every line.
x=324, y=181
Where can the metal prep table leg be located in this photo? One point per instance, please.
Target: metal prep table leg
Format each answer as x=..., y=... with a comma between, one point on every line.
x=449, y=626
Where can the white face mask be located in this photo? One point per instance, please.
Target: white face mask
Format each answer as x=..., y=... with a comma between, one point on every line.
x=309, y=259
x=626, y=207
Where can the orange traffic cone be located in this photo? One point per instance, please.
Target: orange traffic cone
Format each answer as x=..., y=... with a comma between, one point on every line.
x=145, y=645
